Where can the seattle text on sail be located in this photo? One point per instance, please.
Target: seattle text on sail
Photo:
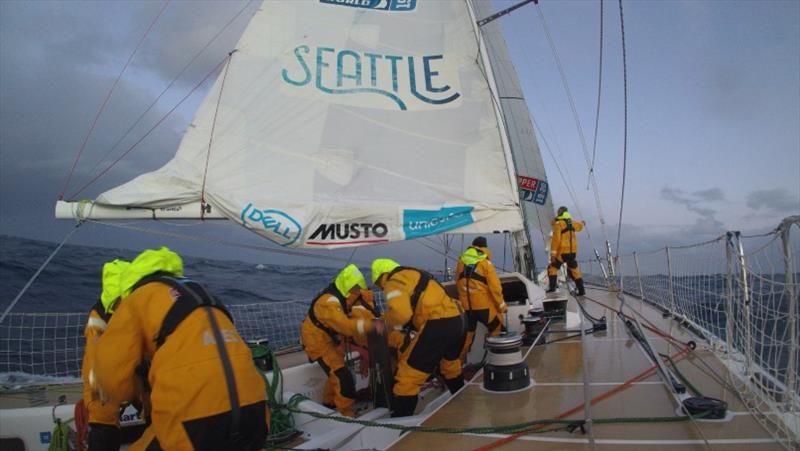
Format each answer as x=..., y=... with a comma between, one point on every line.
x=391, y=76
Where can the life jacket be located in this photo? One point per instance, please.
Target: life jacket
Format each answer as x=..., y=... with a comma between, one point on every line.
x=191, y=296
x=332, y=291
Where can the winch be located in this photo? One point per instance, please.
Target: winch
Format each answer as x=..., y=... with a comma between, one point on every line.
x=505, y=369
x=534, y=323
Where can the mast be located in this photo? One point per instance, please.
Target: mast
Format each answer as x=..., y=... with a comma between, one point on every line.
x=531, y=180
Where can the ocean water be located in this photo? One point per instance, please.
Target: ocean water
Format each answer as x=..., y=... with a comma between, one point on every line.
x=71, y=282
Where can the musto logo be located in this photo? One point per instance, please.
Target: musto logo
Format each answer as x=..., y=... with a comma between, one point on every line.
x=386, y=5
x=274, y=224
x=401, y=82
x=349, y=233
x=417, y=223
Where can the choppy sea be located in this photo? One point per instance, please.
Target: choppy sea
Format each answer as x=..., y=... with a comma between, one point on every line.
x=71, y=282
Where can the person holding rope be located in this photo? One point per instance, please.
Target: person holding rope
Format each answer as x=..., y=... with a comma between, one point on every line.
x=480, y=292
x=206, y=393
x=436, y=329
x=564, y=249
x=328, y=319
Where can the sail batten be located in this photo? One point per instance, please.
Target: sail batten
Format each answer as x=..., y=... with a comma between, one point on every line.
x=346, y=125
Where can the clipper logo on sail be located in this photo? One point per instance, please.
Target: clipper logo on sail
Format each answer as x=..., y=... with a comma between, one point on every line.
x=277, y=225
x=386, y=5
x=349, y=233
x=417, y=223
x=532, y=190
x=409, y=82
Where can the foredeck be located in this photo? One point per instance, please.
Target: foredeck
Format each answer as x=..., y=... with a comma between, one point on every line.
x=612, y=359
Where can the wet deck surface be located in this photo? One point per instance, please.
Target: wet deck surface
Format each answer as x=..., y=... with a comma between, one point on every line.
x=613, y=358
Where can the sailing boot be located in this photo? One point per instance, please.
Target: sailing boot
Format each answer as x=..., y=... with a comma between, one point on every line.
x=580, y=290
x=404, y=406
x=553, y=280
x=454, y=384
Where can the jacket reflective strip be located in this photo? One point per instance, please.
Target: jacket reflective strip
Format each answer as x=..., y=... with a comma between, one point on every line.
x=96, y=323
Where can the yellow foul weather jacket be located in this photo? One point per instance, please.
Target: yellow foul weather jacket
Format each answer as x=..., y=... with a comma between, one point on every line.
x=564, y=240
x=189, y=378
x=485, y=290
x=432, y=303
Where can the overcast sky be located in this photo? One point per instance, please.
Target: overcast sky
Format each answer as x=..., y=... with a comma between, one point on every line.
x=713, y=113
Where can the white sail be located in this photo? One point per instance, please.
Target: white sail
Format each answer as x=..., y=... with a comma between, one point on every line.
x=531, y=177
x=346, y=123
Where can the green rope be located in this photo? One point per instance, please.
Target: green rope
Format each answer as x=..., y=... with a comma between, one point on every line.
x=281, y=421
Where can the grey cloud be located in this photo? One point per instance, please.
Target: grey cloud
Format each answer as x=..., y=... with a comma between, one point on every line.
x=708, y=223
x=711, y=194
x=774, y=200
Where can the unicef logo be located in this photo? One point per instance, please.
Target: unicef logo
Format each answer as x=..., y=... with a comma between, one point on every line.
x=403, y=82
x=274, y=224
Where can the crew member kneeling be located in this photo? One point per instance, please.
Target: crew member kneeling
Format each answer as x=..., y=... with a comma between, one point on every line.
x=327, y=318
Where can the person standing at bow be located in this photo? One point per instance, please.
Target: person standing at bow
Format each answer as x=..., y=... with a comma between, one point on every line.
x=416, y=301
x=104, y=431
x=206, y=392
x=480, y=292
x=564, y=249
x=320, y=332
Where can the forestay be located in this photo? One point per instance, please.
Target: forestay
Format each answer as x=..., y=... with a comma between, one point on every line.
x=347, y=122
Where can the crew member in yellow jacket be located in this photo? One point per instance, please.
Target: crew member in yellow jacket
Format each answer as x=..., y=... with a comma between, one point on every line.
x=564, y=249
x=416, y=301
x=104, y=432
x=320, y=332
x=206, y=393
x=479, y=291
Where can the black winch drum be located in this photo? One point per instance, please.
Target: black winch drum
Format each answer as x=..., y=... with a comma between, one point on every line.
x=505, y=369
x=533, y=324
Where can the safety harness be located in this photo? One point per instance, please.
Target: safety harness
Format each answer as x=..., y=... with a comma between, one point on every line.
x=332, y=291
x=100, y=310
x=192, y=295
x=425, y=278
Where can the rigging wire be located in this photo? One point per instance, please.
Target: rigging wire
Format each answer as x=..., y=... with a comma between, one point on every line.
x=167, y=88
x=167, y=114
x=105, y=101
x=625, y=133
x=39, y=271
x=576, y=119
x=211, y=136
x=599, y=92
x=564, y=178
